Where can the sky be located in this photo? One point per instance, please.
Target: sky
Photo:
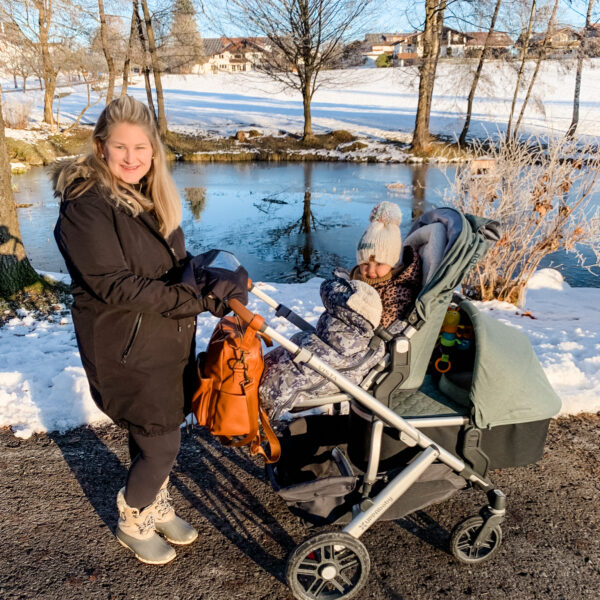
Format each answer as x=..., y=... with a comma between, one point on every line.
x=405, y=16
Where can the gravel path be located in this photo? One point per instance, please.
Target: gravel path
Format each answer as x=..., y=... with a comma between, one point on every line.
x=57, y=516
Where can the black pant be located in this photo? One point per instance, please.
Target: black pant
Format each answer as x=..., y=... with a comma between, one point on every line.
x=152, y=458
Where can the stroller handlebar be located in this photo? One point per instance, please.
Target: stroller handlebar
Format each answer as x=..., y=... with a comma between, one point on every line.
x=244, y=313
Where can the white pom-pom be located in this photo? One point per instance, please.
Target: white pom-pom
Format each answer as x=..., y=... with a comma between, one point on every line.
x=386, y=213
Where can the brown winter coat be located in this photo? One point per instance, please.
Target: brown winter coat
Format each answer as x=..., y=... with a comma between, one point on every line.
x=135, y=324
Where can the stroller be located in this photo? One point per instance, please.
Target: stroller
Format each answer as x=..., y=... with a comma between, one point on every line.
x=413, y=437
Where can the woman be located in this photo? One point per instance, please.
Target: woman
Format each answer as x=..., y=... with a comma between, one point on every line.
x=118, y=231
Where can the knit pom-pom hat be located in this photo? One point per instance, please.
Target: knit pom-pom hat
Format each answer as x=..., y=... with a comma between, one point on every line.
x=381, y=241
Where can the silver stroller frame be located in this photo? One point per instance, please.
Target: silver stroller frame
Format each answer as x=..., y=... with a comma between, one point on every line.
x=338, y=561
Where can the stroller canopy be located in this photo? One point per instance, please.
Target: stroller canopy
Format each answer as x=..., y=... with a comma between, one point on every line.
x=509, y=384
x=450, y=244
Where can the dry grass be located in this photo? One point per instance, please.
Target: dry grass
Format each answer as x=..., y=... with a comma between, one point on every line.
x=541, y=194
x=16, y=112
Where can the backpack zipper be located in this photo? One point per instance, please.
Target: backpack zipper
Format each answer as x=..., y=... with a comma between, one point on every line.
x=134, y=332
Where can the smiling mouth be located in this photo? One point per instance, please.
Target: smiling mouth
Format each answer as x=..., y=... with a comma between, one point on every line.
x=130, y=168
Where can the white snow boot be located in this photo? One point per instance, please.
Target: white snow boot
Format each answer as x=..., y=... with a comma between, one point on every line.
x=167, y=523
x=136, y=531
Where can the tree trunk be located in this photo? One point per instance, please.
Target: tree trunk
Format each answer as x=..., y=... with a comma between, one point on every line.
x=524, y=48
x=537, y=67
x=110, y=63
x=308, y=133
x=434, y=18
x=463, y=134
x=15, y=271
x=127, y=61
x=48, y=72
x=146, y=68
x=160, y=99
x=580, y=57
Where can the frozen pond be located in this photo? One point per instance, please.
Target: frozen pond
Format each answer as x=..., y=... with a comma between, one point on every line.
x=257, y=211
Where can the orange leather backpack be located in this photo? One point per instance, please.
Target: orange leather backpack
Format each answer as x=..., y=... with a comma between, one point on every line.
x=227, y=401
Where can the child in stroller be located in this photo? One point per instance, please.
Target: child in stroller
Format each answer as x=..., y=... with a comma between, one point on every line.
x=379, y=290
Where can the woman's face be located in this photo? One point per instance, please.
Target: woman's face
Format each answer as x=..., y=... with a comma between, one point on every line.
x=128, y=152
x=374, y=270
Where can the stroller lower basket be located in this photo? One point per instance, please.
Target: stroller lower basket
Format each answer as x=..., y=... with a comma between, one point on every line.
x=320, y=485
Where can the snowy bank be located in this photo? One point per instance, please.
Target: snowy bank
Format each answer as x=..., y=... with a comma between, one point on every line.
x=43, y=386
x=379, y=104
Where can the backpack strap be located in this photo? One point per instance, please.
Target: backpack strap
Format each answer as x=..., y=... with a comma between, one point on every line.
x=255, y=439
x=270, y=438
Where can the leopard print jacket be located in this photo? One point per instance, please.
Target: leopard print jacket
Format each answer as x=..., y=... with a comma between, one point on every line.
x=399, y=289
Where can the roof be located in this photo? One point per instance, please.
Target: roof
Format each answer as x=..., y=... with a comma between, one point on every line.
x=212, y=46
x=497, y=38
x=243, y=44
x=379, y=38
x=593, y=30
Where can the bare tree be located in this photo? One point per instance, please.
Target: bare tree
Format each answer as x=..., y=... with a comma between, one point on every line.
x=16, y=273
x=581, y=54
x=129, y=53
x=524, y=43
x=484, y=53
x=541, y=55
x=110, y=63
x=305, y=38
x=146, y=65
x=156, y=70
x=47, y=24
x=434, y=21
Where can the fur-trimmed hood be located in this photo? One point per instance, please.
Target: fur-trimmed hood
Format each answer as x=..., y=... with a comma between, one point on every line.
x=65, y=172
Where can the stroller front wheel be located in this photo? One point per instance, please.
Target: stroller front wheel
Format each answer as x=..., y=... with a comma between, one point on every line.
x=465, y=546
x=330, y=566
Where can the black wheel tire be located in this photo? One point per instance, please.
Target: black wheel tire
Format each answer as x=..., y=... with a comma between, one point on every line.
x=462, y=541
x=328, y=566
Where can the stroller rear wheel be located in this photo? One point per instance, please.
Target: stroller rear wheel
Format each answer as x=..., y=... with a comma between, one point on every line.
x=464, y=545
x=328, y=566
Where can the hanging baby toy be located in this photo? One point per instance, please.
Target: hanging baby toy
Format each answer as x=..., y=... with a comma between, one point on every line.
x=448, y=339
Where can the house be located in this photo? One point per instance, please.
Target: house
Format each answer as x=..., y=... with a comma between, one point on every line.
x=500, y=43
x=232, y=55
x=592, y=40
x=407, y=48
x=452, y=42
x=376, y=44
x=470, y=43
x=562, y=42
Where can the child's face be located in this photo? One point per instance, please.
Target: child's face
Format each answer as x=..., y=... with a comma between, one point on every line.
x=374, y=270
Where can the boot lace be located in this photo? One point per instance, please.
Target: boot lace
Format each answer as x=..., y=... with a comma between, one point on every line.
x=163, y=504
x=147, y=524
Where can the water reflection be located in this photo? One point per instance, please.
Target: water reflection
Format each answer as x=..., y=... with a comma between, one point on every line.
x=419, y=185
x=286, y=222
x=196, y=199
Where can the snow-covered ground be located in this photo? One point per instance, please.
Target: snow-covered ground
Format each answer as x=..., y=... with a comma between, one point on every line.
x=378, y=103
x=43, y=386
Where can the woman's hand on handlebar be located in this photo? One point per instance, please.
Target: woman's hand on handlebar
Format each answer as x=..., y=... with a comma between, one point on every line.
x=227, y=285
x=213, y=305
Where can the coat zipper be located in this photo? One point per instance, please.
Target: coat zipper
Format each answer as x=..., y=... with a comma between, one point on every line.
x=134, y=332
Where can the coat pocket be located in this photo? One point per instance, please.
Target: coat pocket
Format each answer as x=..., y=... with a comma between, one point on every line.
x=131, y=341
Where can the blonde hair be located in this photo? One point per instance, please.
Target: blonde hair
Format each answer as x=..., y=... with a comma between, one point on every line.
x=161, y=194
